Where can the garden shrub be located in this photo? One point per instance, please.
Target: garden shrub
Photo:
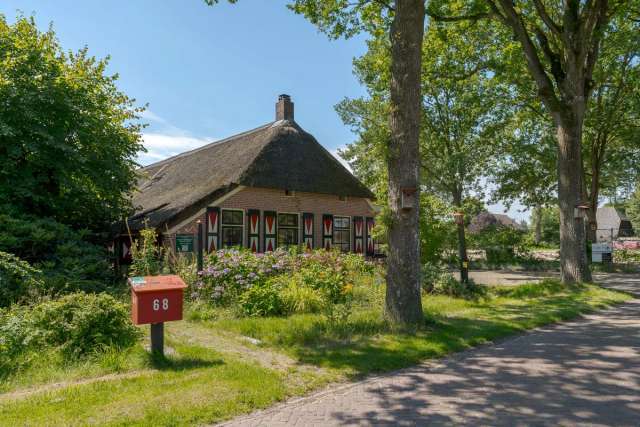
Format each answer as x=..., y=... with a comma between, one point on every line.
x=299, y=298
x=16, y=338
x=440, y=282
x=501, y=244
x=279, y=282
x=80, y=324
x=18, y=280
x=229, y=273
x=262, y=299
x=70, y=261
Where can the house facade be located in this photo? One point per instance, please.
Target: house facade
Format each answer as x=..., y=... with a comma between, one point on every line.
x=269, y=187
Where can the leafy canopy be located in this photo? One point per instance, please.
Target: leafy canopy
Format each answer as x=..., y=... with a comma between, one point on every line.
x=68, y=136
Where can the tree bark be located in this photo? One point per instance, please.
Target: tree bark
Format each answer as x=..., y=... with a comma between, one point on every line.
x=462, y=241
x=403, y=304
x=538, y=225
x=573, y=256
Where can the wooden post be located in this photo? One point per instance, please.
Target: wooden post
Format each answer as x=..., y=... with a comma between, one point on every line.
x=157, y=338
x=200, y=246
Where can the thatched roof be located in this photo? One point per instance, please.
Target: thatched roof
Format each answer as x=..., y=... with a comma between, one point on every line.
x=485, y=220
x=277, y=155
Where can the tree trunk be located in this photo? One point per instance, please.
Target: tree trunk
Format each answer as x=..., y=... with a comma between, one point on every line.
x=538, y=225
x=573, y=256
x=462, y=241
x=403, y=304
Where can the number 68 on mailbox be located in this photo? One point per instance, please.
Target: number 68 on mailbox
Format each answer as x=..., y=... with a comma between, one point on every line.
x=156, y=299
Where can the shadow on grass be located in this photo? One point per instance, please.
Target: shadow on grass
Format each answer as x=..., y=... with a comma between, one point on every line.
x=181, y=363
x=383, y=350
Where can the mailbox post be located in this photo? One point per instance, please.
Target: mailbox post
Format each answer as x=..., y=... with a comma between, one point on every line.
x=155, y=300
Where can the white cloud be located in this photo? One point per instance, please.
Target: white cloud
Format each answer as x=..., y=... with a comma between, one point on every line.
x=160, y=146
x=152, y=117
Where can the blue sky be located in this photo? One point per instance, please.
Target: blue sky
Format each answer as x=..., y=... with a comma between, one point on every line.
x=210, y=72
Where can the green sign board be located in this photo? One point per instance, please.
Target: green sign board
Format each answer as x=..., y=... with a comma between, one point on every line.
x=184, y=242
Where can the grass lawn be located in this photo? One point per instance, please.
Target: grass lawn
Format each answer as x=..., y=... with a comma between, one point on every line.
x=215, y=372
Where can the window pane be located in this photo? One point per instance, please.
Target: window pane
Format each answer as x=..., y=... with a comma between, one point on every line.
x=232, y=217
x=341, y=222
x=288, y=220
x=341, y=240
x=231, y=236
x=287, y=236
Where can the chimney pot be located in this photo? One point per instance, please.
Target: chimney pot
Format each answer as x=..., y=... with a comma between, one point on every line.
x=284, y=108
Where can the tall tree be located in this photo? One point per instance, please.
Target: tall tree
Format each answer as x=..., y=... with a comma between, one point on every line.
x=561, y=44
x=68, y=136
x=461, y=109
x=611, y=153
x=403, y=21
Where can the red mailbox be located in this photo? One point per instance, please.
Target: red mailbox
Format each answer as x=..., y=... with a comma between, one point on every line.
x=156, y=299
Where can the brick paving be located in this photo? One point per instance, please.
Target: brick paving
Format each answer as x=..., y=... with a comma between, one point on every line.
x=585, y=372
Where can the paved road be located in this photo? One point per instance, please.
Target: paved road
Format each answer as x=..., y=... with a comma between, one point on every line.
x=585, y=372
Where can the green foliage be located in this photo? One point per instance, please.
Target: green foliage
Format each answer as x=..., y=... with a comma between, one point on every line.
x=438, y=281
x=280, y=282
x=16, y=339
x=262, y=299
x=80, y=324
x=75, y=326
x=68, y=136
x=298, y=297
x=633, y=210
x=68, y=259
x=18, y=280
x=501, y=244
x=549, y=226
x=626, y=256
x=147, y=256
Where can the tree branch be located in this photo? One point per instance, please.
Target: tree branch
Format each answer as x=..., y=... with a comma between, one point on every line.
x=550, y=23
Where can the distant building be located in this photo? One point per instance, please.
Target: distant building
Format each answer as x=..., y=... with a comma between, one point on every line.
x=485, y=220
x=269, y=187
x=612, y=224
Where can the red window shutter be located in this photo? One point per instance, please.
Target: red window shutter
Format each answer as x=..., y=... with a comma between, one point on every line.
x=327, y=231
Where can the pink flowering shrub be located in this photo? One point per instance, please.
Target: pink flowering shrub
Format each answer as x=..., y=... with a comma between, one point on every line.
x=263, y=284
x=229, y=273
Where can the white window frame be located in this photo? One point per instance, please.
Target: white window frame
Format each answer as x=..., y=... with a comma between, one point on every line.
x=222, y=225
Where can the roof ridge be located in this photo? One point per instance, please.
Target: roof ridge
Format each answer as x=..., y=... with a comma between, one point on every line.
x=209, y=145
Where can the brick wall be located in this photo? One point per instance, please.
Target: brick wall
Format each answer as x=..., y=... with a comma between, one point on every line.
x=265, y=199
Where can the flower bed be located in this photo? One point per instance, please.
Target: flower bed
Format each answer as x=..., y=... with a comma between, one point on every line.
x=279, y=282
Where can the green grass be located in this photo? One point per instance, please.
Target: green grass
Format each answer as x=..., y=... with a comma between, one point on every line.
x=214, y=373
x=367, y=344
x=199, y=385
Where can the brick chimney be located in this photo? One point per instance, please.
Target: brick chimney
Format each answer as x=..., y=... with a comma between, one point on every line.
x=284, y=108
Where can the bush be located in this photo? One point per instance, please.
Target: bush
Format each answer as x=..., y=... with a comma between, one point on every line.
x=229, y=273
x=299, y=298
x=440, y=282
x=279, y=282
x=262, y=299
x=68, y=259
x=80, y=324
x=501, y=244
x=16, y=338
x=18, y=280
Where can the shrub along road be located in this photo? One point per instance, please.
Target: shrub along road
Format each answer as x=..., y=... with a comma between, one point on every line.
x=583, y=372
